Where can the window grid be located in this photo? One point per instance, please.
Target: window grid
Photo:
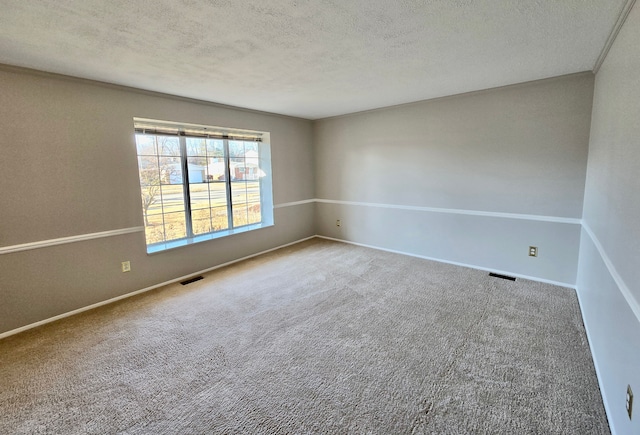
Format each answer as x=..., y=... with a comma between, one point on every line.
x=175, y=227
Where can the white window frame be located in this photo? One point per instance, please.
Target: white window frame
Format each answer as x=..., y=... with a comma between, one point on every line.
x=183, y=131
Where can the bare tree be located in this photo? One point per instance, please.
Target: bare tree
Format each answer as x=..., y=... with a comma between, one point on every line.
x=150, y=187
x=155, y=170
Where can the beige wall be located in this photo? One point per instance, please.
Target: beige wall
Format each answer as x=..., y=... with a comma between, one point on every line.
x=472, y=179
x=518, y=150
x=513, y=157
x=69, y=168
x=609, y=272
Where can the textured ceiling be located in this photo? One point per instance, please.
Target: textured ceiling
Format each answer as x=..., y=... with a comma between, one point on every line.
x=310, y=59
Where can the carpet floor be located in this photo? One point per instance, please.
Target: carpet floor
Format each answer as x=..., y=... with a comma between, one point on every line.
x=318, y=337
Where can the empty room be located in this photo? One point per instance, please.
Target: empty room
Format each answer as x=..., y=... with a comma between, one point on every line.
x=286, y=217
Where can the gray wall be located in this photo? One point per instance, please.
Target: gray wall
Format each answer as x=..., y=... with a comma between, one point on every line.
x=609, y=270
x=472, y=179
x=452, y=168
x=69, y=168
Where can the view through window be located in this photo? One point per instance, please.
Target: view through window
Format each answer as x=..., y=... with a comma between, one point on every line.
x=200, y=182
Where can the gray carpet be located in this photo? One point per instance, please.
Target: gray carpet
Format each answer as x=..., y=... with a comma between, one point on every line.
x=320, y=337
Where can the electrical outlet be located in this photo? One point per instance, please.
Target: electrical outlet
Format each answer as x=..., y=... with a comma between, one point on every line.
x=533, y=251
x=629, y=401
x=338, y=223
x=126, y=266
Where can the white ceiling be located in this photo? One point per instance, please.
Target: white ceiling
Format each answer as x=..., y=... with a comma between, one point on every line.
x=310, y=59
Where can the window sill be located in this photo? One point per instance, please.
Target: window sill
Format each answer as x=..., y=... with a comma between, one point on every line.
x=157, y=248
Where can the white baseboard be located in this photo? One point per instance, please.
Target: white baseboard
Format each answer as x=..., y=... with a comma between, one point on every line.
x=455, y=263
x=137, y=292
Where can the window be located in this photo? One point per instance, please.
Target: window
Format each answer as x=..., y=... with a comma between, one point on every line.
x=200, y=182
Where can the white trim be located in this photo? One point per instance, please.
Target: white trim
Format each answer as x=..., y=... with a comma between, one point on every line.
x=607, y=408
x=290, y=204
x=633, y=303
x=624, y=13
x=70, y=239
x=82, y=237
x=532, y=217
x=160, y=247
x=455, y=263
x=137, y=292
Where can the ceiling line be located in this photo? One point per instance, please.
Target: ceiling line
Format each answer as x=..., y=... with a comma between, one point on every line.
x=459, y=95
x=624, y=13
x=16, y=69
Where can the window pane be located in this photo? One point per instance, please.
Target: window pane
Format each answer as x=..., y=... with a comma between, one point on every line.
x=172, y=198
x=252, y=162
x=219, y=218
x=154, y=228
x=148, y=163
x=236, y=148
x=148, y=172
x=199, y=194
x=197, y=169
x=240, y=215
x=201, y=221
x=238, y=192
x=216, y=169
x=196, y=146
x=237, y=168
x=218, y=194
x=174, y=226
x=151, y=200
x=251, y=171
x=146, y=144
x=253, y=191
x=197, y=160
x=215, y=148
x=168, y=145
x=219, y=174
x=170, y=170
x=250, y=147
x=253, y=213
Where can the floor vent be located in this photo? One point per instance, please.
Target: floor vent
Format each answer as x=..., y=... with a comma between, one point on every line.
x=497, y=275
x=190, y=280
